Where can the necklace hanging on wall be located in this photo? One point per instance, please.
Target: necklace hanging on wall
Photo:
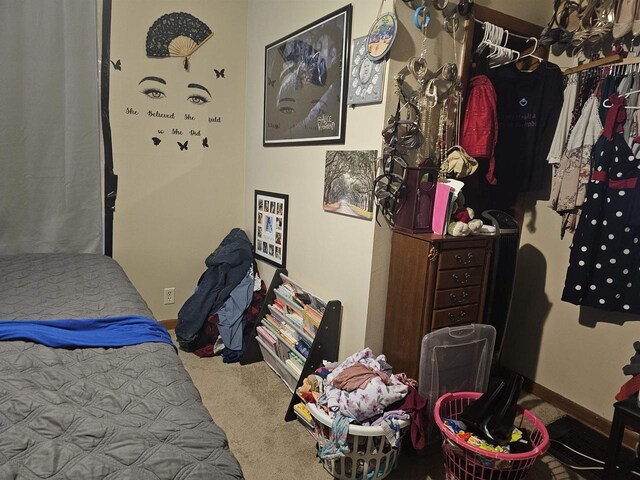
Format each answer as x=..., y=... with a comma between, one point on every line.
x=382, y=33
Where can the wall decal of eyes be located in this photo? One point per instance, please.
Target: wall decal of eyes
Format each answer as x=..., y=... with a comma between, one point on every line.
x=153, y=87
x=156, y=88
x=199, y=97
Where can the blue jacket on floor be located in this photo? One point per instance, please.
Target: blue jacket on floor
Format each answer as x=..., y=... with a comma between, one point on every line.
x=226, y=267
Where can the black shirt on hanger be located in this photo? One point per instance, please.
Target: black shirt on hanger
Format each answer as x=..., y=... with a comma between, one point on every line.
x=529, y=104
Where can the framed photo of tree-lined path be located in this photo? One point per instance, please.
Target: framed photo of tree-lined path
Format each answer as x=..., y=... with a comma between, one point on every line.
x=348, y=182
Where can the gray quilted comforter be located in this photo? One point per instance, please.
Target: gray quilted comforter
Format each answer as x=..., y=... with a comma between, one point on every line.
x=121, y=413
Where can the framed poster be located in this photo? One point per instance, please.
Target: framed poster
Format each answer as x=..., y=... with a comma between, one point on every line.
x=270, y=227
x=349, y=176
x=305, y=83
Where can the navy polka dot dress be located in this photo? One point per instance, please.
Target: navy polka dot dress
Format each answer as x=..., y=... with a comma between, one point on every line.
x=604, y=266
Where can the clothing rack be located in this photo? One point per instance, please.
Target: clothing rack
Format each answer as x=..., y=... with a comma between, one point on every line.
x=601, y=62
x=511, y=34
x=611, y=60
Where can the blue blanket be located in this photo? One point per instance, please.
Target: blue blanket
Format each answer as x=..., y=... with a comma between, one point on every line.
x=86, y=333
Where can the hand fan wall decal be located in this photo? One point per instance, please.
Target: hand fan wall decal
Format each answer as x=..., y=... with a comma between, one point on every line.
x=177, y=34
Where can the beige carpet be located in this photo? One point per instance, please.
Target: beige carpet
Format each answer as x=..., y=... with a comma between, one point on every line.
x=250, y=402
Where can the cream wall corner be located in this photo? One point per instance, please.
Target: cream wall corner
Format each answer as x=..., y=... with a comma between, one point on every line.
x=330, y=254
x=172, y=211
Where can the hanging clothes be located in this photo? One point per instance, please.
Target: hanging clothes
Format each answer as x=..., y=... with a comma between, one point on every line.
x=603, y=267
x=631, y=125
x=561, y=136
x=572, y=174
x=529, y=104
x=480, y=128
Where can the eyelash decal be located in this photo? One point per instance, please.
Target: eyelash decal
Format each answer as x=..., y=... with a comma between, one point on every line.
x=154, y=93
x=198, y=99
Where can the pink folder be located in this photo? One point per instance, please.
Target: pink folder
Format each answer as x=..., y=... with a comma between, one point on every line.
x=440, y=208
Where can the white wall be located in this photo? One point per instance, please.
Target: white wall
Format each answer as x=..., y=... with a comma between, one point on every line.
x=330, y=254
x=172, y=209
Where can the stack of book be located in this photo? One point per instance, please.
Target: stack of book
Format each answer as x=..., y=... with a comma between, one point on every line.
x=289, y=328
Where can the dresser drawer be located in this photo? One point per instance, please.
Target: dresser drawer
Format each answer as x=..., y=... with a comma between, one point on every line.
x=459, y=278
x=456, y=296
x=450, y=317
x=469, y=257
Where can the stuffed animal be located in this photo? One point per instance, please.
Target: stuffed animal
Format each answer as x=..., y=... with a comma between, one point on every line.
x=463, y=223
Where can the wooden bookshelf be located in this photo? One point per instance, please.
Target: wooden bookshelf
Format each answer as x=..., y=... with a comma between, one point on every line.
x=305, y=333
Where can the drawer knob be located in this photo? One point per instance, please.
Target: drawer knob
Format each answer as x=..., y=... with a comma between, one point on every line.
x=464, y=261
x=453, y=318
x=461, y=281
x=455, y=299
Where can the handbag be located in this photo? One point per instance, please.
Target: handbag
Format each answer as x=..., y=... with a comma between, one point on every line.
x=458, y=163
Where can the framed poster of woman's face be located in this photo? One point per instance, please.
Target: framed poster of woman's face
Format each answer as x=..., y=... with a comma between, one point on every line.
x=305, y=84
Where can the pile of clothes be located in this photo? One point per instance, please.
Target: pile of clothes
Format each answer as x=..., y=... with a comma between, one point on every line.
x=364, y=390
x=221, y=314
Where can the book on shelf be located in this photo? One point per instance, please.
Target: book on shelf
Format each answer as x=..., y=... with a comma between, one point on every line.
x=294, y=366
x=302, y=410
x=267, y=336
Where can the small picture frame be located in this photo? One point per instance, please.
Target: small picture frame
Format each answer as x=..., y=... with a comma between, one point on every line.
x=270, y=227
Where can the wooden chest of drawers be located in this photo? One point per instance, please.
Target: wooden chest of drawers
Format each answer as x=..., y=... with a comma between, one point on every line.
x=434, y=282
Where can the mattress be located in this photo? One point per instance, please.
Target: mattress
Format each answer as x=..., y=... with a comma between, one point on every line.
x=94, y=413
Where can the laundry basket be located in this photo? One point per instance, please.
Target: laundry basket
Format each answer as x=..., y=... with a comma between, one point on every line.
x=370, y=453
x=466, y=462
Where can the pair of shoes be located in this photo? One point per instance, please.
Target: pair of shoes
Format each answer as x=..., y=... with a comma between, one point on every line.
x=597, y=23
x=587, y=21
x=627, y=18
x=552, y=32
x=569, y=23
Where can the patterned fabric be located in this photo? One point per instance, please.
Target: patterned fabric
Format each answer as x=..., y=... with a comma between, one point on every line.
x=336, y=446
x=604, y=266
x=363, y=404
x=572, y=175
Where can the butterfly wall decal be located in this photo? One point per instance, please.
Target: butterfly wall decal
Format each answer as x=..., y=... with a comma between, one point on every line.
x=156, y=141
x=184, y=146
x=219, y=73
x=117, y=65
x=205, y=142
x=271, y=83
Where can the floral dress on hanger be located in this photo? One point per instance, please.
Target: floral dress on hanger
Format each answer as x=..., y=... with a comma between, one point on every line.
x=605, y=256
x=571, y=176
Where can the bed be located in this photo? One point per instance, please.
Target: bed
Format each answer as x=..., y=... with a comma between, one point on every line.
x=96, y=413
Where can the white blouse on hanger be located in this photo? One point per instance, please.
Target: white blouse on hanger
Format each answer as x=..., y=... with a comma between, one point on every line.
x=564, y=123
x=571, y=176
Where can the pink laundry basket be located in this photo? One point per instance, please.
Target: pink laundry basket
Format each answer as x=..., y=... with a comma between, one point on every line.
x=466, y=462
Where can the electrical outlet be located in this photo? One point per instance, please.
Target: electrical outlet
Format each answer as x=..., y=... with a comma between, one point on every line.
x=169, y=295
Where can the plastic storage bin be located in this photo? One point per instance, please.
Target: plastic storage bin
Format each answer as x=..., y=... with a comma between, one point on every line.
x=465, y=462
x=370, y=456
x=455, y=359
